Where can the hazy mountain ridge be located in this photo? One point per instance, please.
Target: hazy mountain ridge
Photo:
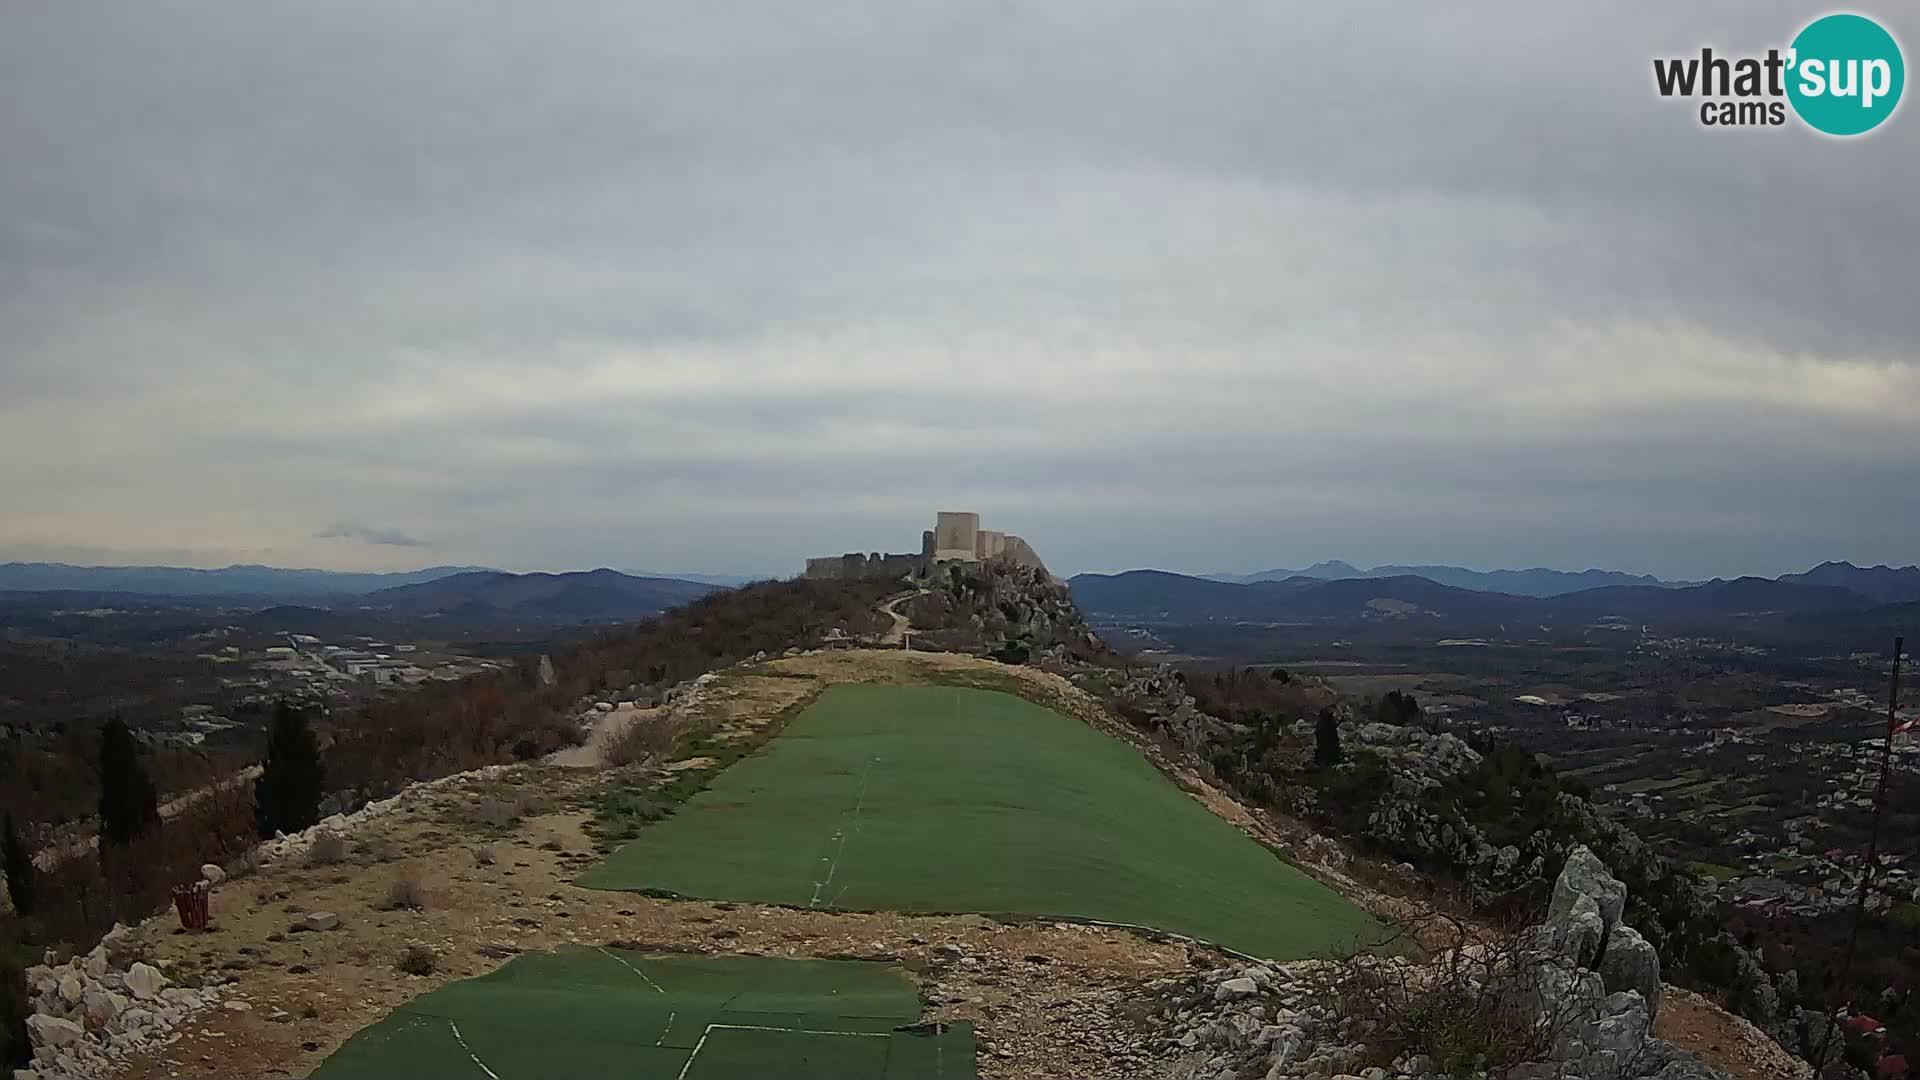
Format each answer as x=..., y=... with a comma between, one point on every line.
x=1175, y=596
x=1886, y=584
x=1535, y=581
x=578, y=595
x=237, y=580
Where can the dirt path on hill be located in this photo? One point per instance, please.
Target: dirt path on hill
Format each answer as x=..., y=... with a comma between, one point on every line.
x=901, y=624
x=607, y=727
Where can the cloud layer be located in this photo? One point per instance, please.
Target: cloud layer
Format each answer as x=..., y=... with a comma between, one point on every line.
x=653, y=285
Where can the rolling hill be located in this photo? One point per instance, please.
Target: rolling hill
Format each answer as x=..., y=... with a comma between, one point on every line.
x=233, y=581
x=593, y=594
x=1886, y=584
x=1157, y=595
x=1538, y=581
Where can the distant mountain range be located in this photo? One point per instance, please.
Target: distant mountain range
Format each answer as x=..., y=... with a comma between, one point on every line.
x=591, y=594
x=1885, y=584
x=1538, y=581
x=1158, y=595
x=465, y=592
x=237, y=581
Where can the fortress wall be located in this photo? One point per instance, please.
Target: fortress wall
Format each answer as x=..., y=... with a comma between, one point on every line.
x=955, y=537
x=855, y=566
x=1021, y=553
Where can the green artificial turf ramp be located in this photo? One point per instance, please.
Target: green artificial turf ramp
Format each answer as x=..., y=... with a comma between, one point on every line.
x=616, y=1012
x=945, y=799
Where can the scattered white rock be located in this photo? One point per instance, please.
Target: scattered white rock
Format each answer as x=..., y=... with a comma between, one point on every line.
x=212, y=874
x=1236, y=988
x=51, y=1031
x=144, y=981
x=321, y=920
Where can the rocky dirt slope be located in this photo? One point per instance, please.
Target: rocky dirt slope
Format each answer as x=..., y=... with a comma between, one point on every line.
x=450, y=879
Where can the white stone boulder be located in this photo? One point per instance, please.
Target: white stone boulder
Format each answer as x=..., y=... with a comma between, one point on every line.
x=144, y=981
x=1235, y=989
x=51, y=1031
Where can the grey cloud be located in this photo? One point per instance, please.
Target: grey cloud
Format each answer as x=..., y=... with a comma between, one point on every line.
x=1206, y=286
x=365, y=535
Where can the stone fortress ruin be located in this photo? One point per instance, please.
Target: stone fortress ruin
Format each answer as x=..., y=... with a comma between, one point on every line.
x=955, y=537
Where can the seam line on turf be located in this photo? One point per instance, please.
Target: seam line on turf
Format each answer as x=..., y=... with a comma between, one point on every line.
x=858, y=802
x=455, y=1028
x=668, y=1030
x=643, y=975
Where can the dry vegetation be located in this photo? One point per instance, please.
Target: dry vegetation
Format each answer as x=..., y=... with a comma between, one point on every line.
x=309, y=991
x=377, y=748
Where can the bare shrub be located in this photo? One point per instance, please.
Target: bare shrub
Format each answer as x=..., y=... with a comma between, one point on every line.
x=244, y=865
x=378, y=849
x=499, y=814
x=417, y=960
x=645, y=738
x=328, y=848
x=1472, y=1004
x=483, y=856
x=405, y=894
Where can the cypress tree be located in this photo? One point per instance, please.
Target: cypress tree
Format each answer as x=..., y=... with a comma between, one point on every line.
x=286, y=798
x=19, y=868
x=1326, y=739
x=129, y=803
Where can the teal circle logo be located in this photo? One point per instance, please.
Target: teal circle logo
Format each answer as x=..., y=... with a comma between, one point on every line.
x=1845, y=74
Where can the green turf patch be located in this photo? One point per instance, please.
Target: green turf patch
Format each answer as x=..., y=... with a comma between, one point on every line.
x=947, y=799
x=617, y=1012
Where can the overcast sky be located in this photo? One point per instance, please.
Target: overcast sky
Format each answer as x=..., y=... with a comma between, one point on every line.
x=714, y=286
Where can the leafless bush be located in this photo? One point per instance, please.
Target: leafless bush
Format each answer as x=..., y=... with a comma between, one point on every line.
x=483, y=856
x=643, y=739
x=244, y=865
x=417, y=960
x=378, y=849
x=499, y=814
x=328, y=848
x=1472, y=1003
x=405, y=894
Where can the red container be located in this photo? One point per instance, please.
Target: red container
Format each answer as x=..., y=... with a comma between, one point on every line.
x=191, y=902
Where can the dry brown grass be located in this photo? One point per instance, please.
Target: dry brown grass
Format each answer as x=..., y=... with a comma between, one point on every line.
x=417, y=960
x=329, y=849
x=405, y=894
x=646, y=738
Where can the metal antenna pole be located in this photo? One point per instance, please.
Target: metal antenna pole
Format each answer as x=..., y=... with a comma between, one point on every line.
x=1873, y=852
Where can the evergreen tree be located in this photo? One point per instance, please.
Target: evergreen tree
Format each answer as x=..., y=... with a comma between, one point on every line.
x=129, y=803
x=1398, y=709
x=286, y=798
x=1326, y=739
x=19, y=868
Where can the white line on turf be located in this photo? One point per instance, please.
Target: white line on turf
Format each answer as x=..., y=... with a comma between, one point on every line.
x=711, y=1028
x=476, y=1057
x=850, y=825
x=635, y=970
